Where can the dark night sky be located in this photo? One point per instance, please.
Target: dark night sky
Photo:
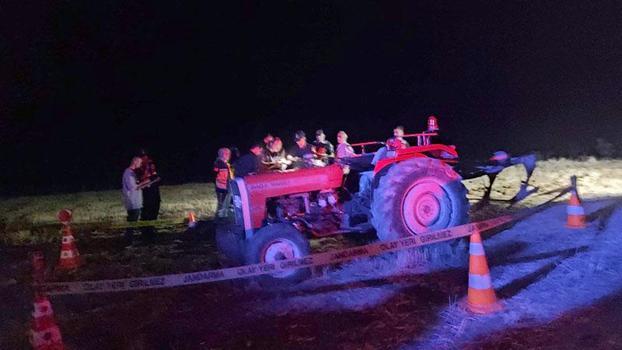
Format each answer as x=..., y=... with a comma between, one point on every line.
x=85, y=83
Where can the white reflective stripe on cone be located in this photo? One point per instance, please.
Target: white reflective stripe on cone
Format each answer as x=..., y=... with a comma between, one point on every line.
x=67, y=239
x=42, y=309
x=476, y=249
x=480, y=281
x=575, y=210
x=48, y=337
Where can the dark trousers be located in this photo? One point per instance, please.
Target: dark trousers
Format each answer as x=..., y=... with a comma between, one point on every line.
x=151, y=209
x=132, y=216
x=224, y=202
x=151, y=203
x=220, y=196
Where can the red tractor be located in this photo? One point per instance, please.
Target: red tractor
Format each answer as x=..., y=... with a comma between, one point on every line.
x=405, y=192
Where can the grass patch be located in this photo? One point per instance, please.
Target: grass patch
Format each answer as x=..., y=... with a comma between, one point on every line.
x=32, y=219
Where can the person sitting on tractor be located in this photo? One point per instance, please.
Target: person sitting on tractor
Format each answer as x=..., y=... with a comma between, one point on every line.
x=344, y=149
x=275, y=157
x=324, y=149
x=348, y=158
x=266, y=142
x=353, y=164
x=301, y=154
x=397, y=141
x=249, y=163
x=394, y=143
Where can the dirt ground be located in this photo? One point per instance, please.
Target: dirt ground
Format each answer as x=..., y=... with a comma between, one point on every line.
x=224, y=315
x=595, y=327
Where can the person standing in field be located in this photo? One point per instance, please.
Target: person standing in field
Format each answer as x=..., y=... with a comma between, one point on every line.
x=151, y=193
x=132, y=195
x=224, y=173
x=148, y=175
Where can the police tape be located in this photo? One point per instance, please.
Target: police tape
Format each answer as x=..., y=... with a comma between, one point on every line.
x=320, y=259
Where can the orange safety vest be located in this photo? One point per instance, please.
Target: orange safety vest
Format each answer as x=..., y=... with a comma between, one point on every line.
x=223, y=175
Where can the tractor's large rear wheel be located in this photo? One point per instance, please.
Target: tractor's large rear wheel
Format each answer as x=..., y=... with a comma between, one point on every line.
x=417, y=196
x=276, y=242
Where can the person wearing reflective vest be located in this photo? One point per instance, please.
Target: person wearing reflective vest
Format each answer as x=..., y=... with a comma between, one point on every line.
x=224, y=173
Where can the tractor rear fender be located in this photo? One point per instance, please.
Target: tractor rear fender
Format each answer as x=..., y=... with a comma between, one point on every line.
x=434, y=150
x=241, y=205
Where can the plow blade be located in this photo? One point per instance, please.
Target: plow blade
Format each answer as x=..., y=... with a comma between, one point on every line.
x=497, y=165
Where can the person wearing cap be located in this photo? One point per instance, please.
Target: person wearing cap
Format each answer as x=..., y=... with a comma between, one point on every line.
x=323, y=148
x=302, y=152
x=250, y=163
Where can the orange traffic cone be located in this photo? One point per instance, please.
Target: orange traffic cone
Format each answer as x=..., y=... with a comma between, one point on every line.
x=481, y=298
x=64, y=216
x=69, y=255
x=192, y=221
x=44, y=333
x=575, y=212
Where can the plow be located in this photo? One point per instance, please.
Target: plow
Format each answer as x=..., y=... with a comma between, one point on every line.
x=500, y=161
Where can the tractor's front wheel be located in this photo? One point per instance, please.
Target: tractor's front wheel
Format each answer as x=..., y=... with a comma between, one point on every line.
x=276, y=242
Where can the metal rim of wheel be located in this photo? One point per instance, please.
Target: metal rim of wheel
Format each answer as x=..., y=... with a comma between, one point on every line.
x=281, y=249
x=422, y=206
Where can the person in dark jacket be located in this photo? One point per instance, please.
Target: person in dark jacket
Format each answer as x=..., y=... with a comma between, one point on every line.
x=249, y=163
x=148, y=176
x=302, y=153
x=151, y=193
x=324, y=150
